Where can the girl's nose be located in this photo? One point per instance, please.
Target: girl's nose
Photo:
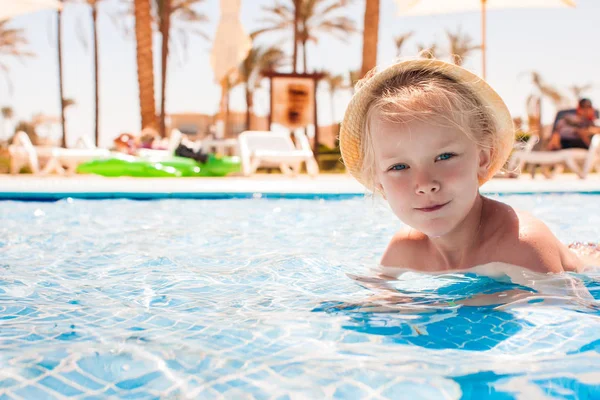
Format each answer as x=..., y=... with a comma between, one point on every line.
x=427, y=186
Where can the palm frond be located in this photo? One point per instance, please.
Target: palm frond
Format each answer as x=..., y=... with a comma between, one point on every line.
x=547, y=90
x=400, y=40
x=316, y=17
x=7, y=112
x=335, y=82
x=259, y=59
x=428, y=52
x=13, y=41
x=461, y=46
x=579, y=90
x=275, y=27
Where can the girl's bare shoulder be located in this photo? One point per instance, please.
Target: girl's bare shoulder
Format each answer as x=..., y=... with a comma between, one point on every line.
x=404, y=248
x=526, y=240
x=515, y=226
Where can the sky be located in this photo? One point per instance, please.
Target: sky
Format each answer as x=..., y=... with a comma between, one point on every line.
x=560, y=44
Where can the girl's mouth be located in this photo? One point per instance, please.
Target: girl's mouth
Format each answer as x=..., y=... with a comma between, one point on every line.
x=432, y=208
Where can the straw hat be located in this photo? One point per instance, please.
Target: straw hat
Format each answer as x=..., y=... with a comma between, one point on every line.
x=353, y=125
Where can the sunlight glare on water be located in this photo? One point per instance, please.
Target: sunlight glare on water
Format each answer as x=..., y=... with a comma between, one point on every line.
x=255, y=299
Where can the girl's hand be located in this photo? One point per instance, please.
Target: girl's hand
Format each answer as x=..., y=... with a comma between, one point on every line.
x=589, y=253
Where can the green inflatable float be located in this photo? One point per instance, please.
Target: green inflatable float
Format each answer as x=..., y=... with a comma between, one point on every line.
x=172, y=168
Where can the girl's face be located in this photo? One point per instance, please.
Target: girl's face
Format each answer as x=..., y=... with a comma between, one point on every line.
x=428, y=173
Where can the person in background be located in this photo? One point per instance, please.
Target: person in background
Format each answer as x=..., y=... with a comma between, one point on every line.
x=125, y=143
x=186, y=149
x=575, y=130
x=149, y=139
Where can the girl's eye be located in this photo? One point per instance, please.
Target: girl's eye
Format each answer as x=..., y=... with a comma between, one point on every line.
x=445, y=156
x=398, y=167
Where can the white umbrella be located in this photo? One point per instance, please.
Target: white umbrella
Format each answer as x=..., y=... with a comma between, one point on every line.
x=230, y=48
x=14, y=8
x=428, y=7
x=231, y=44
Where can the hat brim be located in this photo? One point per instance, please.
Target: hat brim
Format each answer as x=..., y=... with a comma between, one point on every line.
x=354, y=124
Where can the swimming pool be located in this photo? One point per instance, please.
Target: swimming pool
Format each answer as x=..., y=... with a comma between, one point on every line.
x=249, y=299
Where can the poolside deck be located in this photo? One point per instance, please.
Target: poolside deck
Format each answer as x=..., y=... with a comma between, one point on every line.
x=85, y=186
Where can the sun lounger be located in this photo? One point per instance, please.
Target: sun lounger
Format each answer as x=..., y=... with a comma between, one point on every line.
x=59, y=160
x=580, y=161
x=276, y=149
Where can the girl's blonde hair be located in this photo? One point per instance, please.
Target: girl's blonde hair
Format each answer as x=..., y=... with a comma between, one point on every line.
x=431, y=96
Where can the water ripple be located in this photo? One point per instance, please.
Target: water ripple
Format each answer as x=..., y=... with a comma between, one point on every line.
x=250, y=299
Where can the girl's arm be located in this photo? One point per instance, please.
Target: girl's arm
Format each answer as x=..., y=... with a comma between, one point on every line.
x=587, y=253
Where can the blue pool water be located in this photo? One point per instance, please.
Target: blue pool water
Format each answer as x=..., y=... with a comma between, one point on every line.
x=178, y=299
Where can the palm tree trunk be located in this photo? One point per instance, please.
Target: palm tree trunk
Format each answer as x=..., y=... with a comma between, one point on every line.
x=96, y=80
x=370, y=36
x=143, y=36
x=248, y=106
x=60, y=79
x=332, y=93
x=296, y=21
x=304, y=63
x=227, y=129
x=164, y=30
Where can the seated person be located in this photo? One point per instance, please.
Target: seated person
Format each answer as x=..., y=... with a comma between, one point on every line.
x=125, y=143
x=575, y=130
x=149, y=138
x=186, y=149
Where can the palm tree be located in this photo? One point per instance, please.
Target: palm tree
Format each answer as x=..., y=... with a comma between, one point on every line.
x=354, y=76
x=60, y=75
x=94, y=8
x=7, y=116
x=554, y=95
x=7, y=112
x=370, y=36
x=534, y=100
x=335, y=82
x=296, y=33
x=185, y=12
x=461, y=46
x=282, y=17
x=400, y=41
x=579, y=90
x=311, y=17
x=143, y=36
x=319, y=16
x=259, y=59
x=429, y=52
x=68, y=102
x=12, y=42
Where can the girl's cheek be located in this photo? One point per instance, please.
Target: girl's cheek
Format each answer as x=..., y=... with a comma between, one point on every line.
x=393, y=188
x=452, y=174
x=457, y=173
x=395, y=181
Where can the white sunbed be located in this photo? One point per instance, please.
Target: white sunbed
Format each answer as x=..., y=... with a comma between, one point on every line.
x=59, y=160
x=580, y=161
x=276, y=149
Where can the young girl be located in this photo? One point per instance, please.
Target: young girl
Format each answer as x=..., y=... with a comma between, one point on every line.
x=425, y=134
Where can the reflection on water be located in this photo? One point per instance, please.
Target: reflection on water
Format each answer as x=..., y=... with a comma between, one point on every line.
x=450, y=311
x=466, y=328
x=240, y=299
